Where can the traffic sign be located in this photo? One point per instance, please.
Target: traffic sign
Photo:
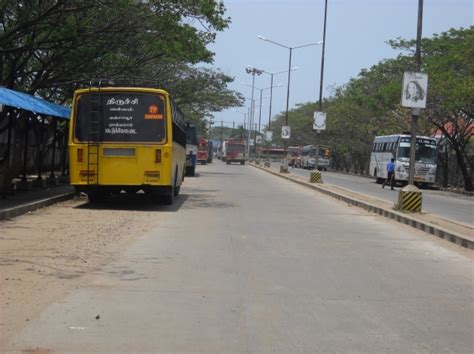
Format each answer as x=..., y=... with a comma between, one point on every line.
x=285, y=132
x=269, y=135
x=414, y=91
x=258, y=139
x=319, y=121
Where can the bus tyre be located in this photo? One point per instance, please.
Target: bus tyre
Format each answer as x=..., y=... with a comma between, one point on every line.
x=227, y=162
x=168, y=198
x=242, y=162
x=176, y=187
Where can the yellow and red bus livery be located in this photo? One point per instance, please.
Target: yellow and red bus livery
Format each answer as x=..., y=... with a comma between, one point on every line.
x=126, y=139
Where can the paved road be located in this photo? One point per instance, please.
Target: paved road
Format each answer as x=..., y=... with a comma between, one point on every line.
x=456, y=207
x=249, y=263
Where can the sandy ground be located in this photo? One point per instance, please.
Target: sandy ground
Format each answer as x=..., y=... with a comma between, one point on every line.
x=46, y=253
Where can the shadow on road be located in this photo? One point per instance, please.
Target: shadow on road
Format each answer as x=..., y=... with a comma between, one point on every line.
x=135, y=202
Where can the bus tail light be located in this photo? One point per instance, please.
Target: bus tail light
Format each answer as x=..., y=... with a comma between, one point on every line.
x=80, y=155
x=157, y=156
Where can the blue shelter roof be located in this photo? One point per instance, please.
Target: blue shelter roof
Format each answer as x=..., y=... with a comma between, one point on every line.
x=31, y=103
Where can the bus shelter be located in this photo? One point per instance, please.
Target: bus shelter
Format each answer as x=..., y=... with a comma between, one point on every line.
x=33, y=137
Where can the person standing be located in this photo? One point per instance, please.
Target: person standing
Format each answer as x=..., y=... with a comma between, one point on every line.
x=390, y=174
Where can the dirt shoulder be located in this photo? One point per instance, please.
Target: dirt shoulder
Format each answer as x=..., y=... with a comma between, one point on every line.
x=46, y=253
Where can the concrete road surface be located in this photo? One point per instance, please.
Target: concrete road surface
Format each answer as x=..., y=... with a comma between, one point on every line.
x=249, y=263
x=450, y=206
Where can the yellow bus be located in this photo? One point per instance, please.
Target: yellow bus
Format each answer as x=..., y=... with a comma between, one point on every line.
x=126, y=139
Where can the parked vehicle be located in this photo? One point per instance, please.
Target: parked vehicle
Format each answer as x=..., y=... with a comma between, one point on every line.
x=315, y=157
x=210, y=151
x=202, y=151
x=126, y=139
x=293, y=155
x=191, y=149
x=397, y=146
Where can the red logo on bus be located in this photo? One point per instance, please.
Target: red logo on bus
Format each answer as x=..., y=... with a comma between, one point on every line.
x=153, y=112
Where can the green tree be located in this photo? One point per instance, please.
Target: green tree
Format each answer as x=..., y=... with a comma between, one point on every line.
x=448, y=58
x=51, y=47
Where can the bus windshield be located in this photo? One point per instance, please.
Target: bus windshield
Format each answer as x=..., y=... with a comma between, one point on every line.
x=426, y=151
x=323, y=153
x=123, y=117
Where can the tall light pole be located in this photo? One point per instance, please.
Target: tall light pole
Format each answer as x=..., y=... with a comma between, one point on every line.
x=253, y=72
x=261, y=96
x=271, y=92
x=289, y=66
x=415, y=111
x=285, y=161
x=322, y=58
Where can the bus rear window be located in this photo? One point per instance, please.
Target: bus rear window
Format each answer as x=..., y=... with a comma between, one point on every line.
x=122, y=117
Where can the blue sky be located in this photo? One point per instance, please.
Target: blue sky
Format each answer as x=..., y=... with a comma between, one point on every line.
x=356, y=34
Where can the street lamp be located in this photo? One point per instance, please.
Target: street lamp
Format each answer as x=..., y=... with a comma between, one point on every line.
x=252, y=71
x=260, y=110
x=289, y=66
x=271, y=92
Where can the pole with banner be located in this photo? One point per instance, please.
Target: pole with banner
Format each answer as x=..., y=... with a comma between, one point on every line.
x=285, y=134
x=414, y=93
x=319, y=123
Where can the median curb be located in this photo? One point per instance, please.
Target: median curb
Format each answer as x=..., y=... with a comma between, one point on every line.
x=409, y=220
x=28, y=207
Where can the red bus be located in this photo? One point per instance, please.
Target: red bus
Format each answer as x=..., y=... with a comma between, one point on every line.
x=202, y=151
x=235, y=151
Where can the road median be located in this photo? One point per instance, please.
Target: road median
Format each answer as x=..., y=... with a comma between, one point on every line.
x=454, y=232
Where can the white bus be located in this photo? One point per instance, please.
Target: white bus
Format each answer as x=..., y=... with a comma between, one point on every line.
x=397, y=146
x=310, y=159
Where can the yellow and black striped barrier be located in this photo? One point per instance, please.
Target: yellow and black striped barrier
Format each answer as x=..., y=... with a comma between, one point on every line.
x=410, y=199
x=315, y=177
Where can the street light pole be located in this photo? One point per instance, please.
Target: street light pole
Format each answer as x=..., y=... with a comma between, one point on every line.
x=260, y=110
x=289, y=71
x=415, y=112
x=271, y=93
x=253, y=72
x=288, y=89
x=322, y=58
x=270, y=107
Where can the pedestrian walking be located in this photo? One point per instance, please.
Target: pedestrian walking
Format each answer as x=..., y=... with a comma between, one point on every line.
x=390, y=174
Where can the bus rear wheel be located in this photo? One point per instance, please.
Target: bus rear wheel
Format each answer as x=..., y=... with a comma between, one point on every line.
x=168, y=198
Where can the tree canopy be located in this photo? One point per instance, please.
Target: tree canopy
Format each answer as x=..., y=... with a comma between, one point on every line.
x=52, y=47
x=369, y=104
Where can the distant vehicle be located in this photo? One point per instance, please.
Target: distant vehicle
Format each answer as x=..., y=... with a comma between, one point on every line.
x=223, y=150
x=311, y=159
x=126, y=139
x=235, y=151
x=293, y=155
x=271, y=153
x=210, y=152
x=397, y=146
x=191, y=149
x=202, y=151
